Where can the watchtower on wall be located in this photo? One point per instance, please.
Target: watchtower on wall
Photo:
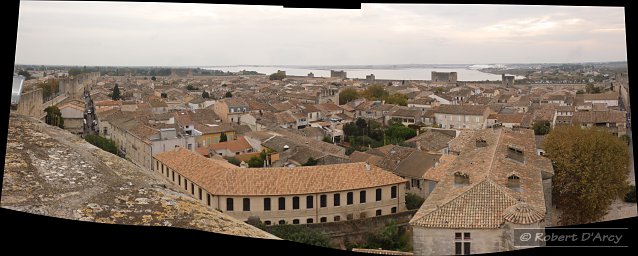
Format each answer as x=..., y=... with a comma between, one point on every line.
x=507, y=80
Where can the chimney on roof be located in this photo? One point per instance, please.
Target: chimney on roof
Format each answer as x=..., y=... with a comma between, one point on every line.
x=367, y=166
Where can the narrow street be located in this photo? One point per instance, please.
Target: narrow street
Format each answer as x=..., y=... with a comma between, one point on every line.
x=89, y=115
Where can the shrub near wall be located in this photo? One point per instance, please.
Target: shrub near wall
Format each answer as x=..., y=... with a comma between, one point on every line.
x=102, y=143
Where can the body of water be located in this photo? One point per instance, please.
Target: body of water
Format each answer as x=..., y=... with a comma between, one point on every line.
x=463, y=74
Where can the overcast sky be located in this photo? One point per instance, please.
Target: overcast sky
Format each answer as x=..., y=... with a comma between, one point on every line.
x=177, y=34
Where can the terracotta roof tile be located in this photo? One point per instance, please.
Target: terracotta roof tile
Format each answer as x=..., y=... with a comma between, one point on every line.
x=483, y=202
x=233, y=145
x=461, y=109
x=222, y=180
x=482, y=206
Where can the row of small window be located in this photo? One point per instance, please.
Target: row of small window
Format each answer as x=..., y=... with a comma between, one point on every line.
x=379, y=212
x=192, y=187
x=323, y=200
x=459, y=118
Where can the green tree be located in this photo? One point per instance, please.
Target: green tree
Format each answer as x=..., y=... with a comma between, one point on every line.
x=50, y=88
x=375, y=92
x=233, y=160
x=223, y=137
x=438, y=90
x=591, y=88
x=75, y=71
x=228, y=95
x=327, y=139
x=398, y=132
x=361, y=123
x=190, y=87
x=277, y=76
x=205, y=95
x=255, y=162
x=102, y=143
x=398, y=99
x=346, y=95
x=116, y=93
x=390, y=239
x=311, y=162
x=591, y=170
x=26, y=74
x=350, y=129
x=54, y=117
x=298, y=233
x=153, y=78
x=630, y=197
x=542, y=127
x=413, y=201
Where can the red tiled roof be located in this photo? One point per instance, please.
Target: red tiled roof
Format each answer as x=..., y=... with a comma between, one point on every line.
x=222, y=180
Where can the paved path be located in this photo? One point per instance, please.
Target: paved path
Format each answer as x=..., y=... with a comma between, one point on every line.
x=89, y=127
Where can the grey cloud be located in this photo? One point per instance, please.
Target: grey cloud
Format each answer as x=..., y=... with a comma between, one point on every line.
x=102, y=33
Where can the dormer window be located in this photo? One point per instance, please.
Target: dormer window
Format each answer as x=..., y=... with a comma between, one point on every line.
x=480, y=142
x=515, y=153
x=514, y=182
x=461, y=179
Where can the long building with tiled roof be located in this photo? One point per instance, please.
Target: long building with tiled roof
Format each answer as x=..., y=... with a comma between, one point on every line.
x=299, y=195
x=498, y=182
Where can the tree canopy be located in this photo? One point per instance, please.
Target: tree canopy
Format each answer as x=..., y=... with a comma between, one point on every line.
x=311, y=162
x=362, y=134
x=103, y=143
x=205, y=95
x=347, y=95
x=398, y=99
x=116, y=93
x=257, y=161
x=223, y=137
x=391, y=238
x=50, y=88
x=591, y=88
x=591, y=171
x=54, y=116
x=277, y=76
x=228, y=95
x=298, y=233
x=375, y=92
x=26, y=74
x=413, y=201
x=378, y=92
x=233, y=160
x=542, y=127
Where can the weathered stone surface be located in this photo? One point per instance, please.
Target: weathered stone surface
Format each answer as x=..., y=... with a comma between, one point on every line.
x=51, y=172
